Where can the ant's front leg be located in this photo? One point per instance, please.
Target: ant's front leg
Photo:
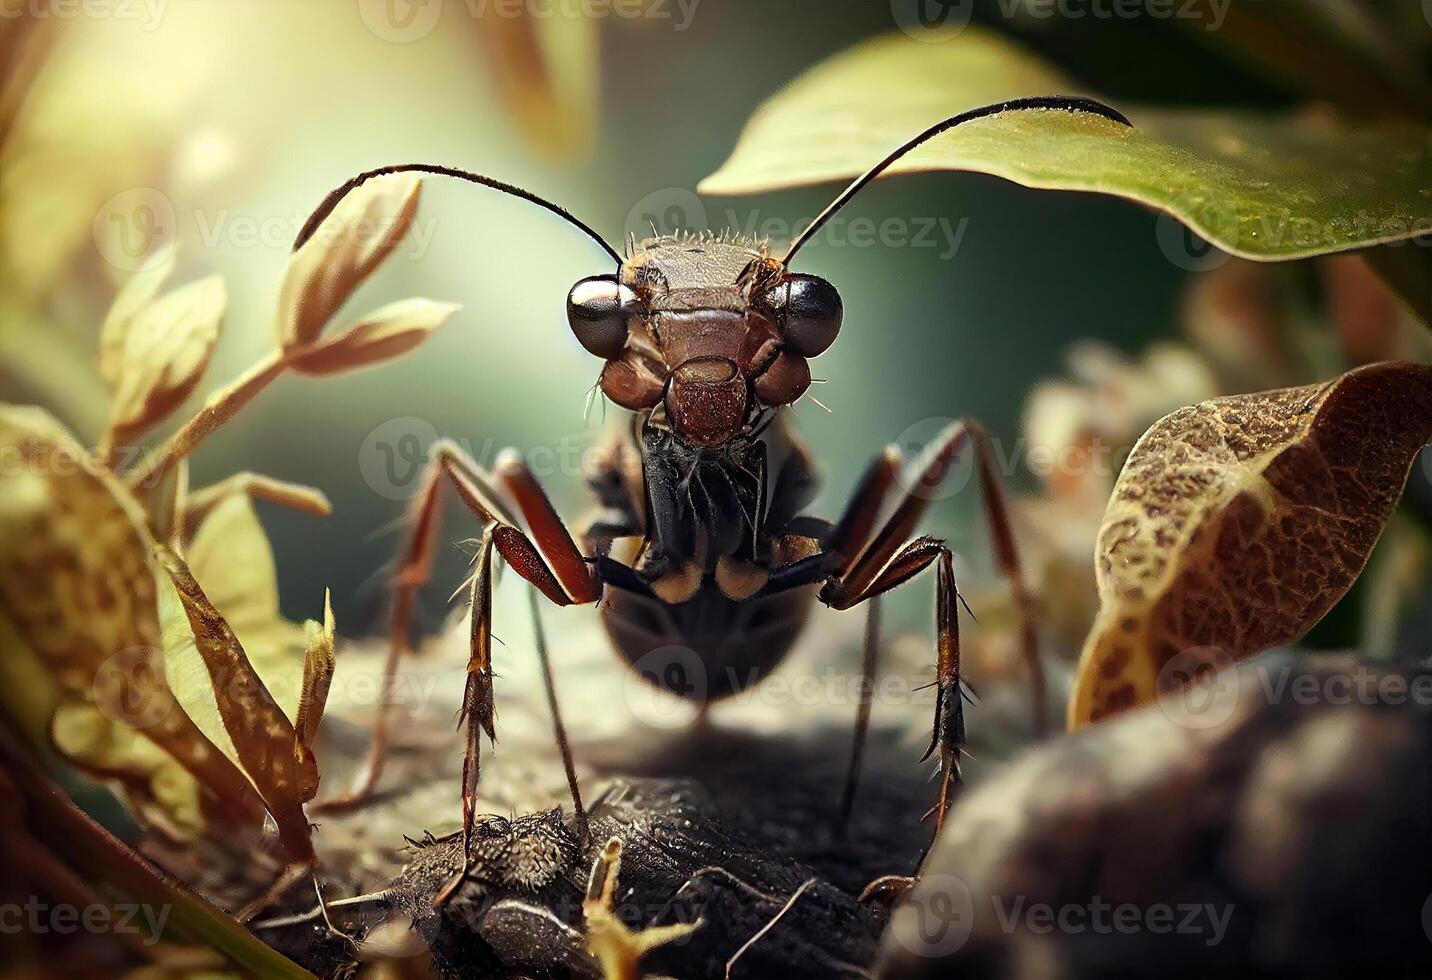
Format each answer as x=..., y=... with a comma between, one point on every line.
x=868, y=565
x=563, y=576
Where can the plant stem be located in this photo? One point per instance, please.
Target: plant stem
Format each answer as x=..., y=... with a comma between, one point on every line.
x=221, y=406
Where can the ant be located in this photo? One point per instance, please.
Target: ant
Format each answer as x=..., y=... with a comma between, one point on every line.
x=699, y=541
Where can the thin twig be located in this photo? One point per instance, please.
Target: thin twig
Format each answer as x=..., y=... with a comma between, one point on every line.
x=731, y=963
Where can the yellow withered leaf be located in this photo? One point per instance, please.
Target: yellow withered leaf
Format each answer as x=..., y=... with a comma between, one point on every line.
x=344, y=250
x=155, y=785
x=381, y=335
x=75, y=584
x=166, y=347
x=137, y=293
x=1237, y=523
x=262, y=736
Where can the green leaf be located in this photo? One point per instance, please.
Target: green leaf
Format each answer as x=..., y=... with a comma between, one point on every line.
x=1266, y=187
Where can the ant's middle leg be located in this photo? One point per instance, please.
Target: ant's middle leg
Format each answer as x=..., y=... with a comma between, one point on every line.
x=888, y=559
x=563, y=576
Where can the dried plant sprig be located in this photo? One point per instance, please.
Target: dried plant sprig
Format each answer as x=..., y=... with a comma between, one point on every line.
x=141, y=290
x=345, y=250
x=322, y=275
x=617, y=948
x=75, y=551
x=280, y=766
x=160, y=357
x=379, y=336
x=255, y=486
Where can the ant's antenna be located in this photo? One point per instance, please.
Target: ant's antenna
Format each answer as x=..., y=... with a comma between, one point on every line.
x=331, y=201
x=1064, y=102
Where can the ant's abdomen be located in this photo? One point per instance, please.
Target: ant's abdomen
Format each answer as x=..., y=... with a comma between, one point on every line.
x=710, y=646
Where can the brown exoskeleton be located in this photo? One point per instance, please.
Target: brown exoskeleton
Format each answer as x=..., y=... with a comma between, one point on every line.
x=700, y=541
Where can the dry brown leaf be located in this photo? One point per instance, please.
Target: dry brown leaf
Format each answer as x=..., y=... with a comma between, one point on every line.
x=137, y=293
x=383, y=334
x=230, y=556
x=345, y=249
x=318, y=668
x=165, y=349
x=261, y=734
x=75, y=583
x=1237, y=523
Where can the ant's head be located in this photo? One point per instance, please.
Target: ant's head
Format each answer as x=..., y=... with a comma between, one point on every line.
x=710, y=332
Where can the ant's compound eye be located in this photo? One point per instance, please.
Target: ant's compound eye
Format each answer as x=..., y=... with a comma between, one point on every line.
x=808, y=311
x=598, y=308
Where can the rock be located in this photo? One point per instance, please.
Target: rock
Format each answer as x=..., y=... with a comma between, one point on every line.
x=1275, y=823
